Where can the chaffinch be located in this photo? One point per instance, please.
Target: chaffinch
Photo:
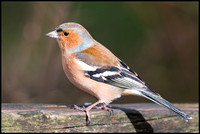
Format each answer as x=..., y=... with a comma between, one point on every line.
x=93, y=68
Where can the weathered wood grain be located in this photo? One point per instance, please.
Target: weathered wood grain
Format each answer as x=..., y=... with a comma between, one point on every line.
x=140, y=117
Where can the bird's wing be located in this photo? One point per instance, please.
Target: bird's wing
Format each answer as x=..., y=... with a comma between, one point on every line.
x=122, y=76
x=111, y=70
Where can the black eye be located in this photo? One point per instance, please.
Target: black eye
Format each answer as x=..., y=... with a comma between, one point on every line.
x=66, y=33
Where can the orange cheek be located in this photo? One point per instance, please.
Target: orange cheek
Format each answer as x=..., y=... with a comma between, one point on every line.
x=72, y=40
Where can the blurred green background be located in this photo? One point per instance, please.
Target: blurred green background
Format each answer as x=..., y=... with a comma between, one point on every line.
x=159, y=40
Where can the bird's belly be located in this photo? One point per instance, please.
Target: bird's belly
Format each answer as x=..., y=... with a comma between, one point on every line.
x=102, y=91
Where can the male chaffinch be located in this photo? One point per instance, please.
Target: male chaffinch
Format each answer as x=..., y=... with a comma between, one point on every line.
x=93, y=68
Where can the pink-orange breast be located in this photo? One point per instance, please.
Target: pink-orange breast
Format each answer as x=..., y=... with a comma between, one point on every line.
x=102, y=91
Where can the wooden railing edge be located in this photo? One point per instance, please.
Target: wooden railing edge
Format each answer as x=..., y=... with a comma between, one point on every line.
x=139, y=117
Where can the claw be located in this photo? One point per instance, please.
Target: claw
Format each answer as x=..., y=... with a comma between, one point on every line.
x=86, y=110
x=104, y=107
x=88, y=120
x=79, y=108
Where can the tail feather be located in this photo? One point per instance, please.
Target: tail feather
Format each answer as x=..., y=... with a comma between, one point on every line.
x=159, y=100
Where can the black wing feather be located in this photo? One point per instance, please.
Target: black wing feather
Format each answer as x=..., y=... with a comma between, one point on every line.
x=122, y=77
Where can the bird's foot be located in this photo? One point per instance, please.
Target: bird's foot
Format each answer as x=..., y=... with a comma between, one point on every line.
x=104, y=107
x=86, y=110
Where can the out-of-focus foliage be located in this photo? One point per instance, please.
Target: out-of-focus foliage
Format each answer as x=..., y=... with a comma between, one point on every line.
x=159, y=40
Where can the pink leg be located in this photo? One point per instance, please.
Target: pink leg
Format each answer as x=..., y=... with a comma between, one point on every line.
x=104, y=107
x=86, y=110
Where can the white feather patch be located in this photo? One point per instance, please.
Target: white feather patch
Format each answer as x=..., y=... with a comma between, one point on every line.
x=133, y=92
x=85, y=66
x=104, y=74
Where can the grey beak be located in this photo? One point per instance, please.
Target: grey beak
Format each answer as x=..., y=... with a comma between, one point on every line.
x=53, y=34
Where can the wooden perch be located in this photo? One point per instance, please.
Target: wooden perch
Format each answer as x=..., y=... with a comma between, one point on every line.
x=140, y=117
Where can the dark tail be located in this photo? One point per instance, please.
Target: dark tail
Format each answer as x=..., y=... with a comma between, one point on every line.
x=159, y=100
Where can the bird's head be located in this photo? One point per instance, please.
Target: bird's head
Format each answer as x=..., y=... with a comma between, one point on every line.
x=72, y=37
